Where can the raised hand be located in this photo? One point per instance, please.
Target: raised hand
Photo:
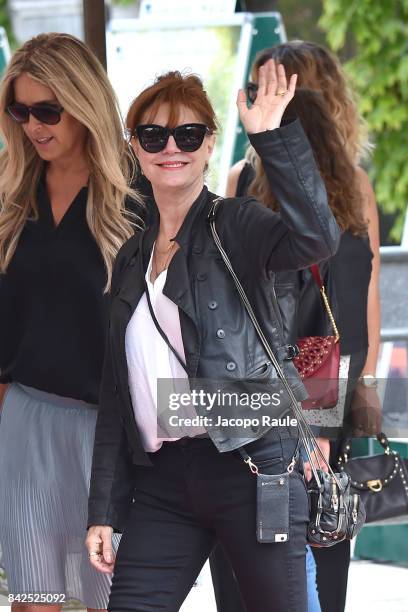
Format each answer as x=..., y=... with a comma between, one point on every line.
x=272, y=98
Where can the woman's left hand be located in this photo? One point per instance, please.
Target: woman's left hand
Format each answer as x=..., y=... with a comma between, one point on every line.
x=272, y=98
x=366, y=413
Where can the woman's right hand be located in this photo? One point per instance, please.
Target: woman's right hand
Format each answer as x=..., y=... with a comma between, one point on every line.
x=100, y=551
x=324, y=445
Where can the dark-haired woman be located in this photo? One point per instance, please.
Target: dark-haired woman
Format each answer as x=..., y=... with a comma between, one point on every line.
x=174, y=496
x=352, y=273
x=355, y=277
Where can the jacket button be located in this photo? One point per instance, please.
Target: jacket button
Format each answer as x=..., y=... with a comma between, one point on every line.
x=197, y=249
x=220, y=333
x=132, y=261
x=116, y=390
x=212, y=305
x=231, y=366
x=201, y=276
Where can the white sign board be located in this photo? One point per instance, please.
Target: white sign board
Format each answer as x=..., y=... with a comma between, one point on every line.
x=186, y=9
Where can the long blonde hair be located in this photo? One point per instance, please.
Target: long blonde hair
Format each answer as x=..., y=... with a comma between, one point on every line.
x=319, y=69
x=65, y=65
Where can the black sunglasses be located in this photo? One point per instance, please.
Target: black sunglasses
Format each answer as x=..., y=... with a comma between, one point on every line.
x=154, y=138
x=251, y=91
x=46, y=113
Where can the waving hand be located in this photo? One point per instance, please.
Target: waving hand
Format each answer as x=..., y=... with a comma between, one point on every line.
x=272, y=98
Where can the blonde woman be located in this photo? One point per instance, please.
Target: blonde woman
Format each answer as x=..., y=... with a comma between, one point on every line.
x=64, y=175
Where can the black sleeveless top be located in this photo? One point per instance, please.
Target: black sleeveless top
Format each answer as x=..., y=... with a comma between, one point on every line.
x=346, y=277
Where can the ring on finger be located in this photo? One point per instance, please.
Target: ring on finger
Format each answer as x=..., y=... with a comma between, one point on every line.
x=94, y=553
x=281, y=92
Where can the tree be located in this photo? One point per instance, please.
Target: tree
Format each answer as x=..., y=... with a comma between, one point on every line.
x=5, y=20
x=379, y=73
x=301, y=20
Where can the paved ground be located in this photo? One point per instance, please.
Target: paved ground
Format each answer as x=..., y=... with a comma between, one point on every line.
x=372, y=586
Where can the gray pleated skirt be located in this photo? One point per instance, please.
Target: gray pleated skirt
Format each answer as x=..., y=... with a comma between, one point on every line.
x=46, y=446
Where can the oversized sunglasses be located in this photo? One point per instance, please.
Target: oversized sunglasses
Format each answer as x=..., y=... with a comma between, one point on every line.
x=251, y=91
x=154, y=138
x=46, y=113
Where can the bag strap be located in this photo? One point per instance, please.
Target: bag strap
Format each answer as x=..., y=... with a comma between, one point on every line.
x=315, y=270
x=346, y=447
x=162, y=332
x=306, y=434
x=242, y=451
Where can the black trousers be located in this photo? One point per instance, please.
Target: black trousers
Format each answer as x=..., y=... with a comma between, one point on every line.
x=193, y=497
x=332, y=565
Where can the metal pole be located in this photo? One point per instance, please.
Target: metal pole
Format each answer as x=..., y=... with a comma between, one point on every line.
x=94, y=28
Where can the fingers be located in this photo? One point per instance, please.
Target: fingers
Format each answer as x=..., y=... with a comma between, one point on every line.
x=241, y=101
x=107, y=550
x=272, y=81
x=100, y=552
x=262, y=80
x=267, y=80
x=271, y=77
x=292, y=84
x=282, y=82
x=307, y=470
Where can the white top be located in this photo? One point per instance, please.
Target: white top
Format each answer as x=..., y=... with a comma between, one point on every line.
x=149, y=359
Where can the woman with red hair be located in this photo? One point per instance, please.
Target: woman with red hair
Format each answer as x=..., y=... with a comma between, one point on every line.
x=177, y=317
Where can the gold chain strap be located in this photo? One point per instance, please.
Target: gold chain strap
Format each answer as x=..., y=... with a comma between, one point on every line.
x=329, y=312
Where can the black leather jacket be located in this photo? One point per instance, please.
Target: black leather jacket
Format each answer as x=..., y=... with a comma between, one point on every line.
x=259, y=243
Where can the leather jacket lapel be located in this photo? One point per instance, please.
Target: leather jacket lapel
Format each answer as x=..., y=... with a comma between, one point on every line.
x=177, y=288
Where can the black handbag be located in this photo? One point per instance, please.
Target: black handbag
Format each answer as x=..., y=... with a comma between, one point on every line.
x=335, y=513
x=381, y=481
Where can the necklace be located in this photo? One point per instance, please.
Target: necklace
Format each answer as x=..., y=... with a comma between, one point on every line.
x=166, y=250
x=166, y=262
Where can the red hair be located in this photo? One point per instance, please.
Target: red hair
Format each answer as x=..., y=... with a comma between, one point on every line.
x=175, y=90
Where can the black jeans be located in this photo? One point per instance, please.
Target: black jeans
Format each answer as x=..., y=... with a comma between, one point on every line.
x=193, y=497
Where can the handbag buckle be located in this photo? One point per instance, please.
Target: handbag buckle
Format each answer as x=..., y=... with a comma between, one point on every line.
x=374, y=485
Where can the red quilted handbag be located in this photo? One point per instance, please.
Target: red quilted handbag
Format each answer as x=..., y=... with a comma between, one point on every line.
x=318, y=360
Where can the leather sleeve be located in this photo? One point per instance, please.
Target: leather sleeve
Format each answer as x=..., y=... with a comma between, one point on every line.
x=305, y=231
x=111, y=489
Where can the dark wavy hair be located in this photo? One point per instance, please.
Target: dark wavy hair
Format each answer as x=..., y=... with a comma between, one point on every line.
x=319, y=69
x=335, y=166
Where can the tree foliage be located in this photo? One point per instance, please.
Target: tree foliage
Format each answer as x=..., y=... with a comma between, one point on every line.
x=379, y=73
x=5, y=20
